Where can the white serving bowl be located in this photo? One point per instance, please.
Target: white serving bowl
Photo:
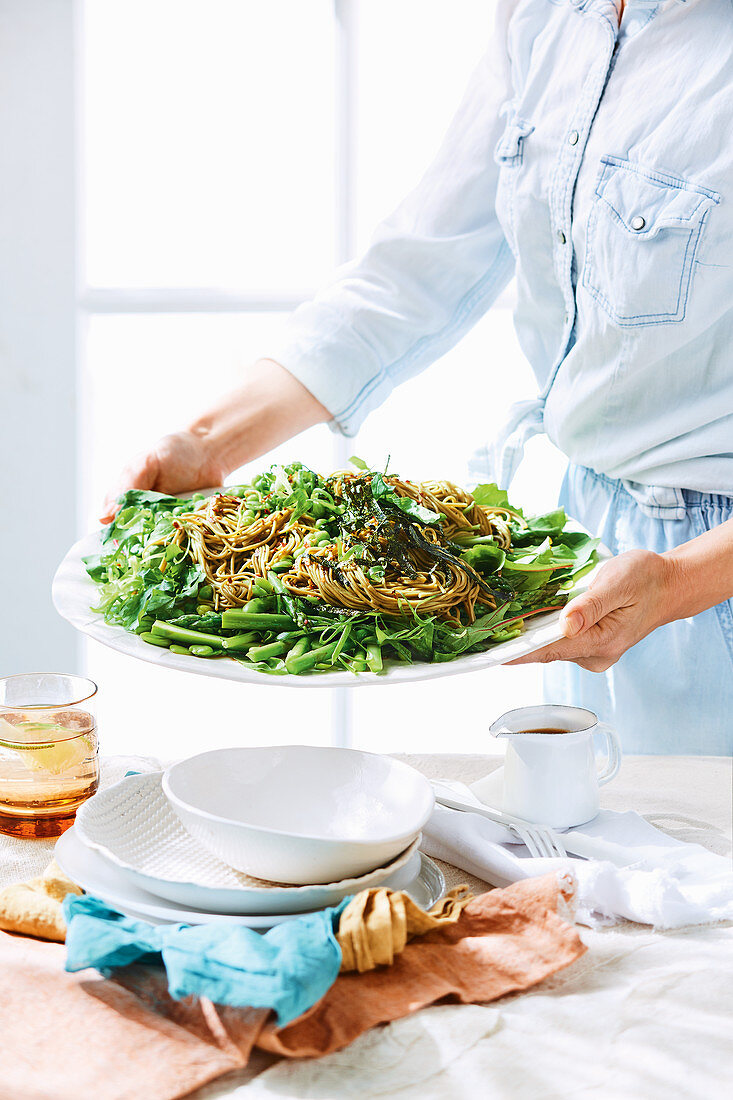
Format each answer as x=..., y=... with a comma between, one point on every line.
x=298, y=813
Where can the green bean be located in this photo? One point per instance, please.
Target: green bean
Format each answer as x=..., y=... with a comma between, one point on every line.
x=359, y=666
x=374, y=657
x=261, y=603
x=155, y=639
x=277, y=584
x=202, y=651
x=241, y=641
x=182, y=649
x=261, y=587
x=302, y=646
x=311, y=659
x=204, y=608
x=282, y=566
x=186, y=637
x=234, y=619
x=206, y=592
x=264, y=652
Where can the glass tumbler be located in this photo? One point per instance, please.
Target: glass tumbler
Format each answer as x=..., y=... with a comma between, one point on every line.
x=49, y=763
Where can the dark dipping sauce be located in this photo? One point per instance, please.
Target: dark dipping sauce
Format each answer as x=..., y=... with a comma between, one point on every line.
x=545, y=729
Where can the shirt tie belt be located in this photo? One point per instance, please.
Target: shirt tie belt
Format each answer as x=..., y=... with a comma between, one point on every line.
x=500, y=460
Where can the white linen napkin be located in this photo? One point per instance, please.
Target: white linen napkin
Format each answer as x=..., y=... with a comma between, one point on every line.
x=664, y=882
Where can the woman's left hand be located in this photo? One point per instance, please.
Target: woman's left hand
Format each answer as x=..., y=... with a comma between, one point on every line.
x=631, y=596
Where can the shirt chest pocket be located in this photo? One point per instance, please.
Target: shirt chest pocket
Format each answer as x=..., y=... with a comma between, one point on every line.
x=644, y=230
x=509, y=155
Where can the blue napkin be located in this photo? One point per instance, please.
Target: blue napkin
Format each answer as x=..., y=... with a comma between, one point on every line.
x=287, y=969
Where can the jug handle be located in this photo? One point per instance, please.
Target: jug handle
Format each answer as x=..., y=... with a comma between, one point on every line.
x=614, y=753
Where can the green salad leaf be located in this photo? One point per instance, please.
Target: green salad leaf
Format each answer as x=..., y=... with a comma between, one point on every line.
x=489, y=495
x=485, y=557
x=385, y=495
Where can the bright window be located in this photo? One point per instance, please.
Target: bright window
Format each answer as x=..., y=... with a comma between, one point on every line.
x=209, y=156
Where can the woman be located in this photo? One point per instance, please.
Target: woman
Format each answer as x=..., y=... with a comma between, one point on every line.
x=590, y=159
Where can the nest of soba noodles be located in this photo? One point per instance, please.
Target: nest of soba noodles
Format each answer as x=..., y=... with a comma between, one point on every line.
x=381, y=560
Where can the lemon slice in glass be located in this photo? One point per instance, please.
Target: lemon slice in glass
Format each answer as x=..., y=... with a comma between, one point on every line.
x=56, y=756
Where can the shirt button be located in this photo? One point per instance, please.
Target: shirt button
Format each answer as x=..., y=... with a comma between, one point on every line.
x=563, y=239
x=637, y=222
x=573, y=137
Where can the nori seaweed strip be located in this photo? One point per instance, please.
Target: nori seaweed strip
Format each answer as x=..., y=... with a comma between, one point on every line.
x=441, y=554
x=399, y=531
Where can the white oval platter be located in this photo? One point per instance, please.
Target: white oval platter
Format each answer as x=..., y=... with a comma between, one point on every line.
x=75, y=593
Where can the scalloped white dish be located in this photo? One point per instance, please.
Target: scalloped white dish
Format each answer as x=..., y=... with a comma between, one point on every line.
x=98, y=876
x=74, y=594
x=133, y=826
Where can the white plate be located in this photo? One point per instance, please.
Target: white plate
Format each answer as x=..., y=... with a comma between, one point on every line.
x=133, y=825
x=75, y=593
x=104, y=880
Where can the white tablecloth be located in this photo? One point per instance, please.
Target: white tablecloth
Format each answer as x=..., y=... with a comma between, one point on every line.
x=642, y=1016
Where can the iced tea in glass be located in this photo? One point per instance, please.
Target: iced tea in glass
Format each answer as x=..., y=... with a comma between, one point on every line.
x=49, y=763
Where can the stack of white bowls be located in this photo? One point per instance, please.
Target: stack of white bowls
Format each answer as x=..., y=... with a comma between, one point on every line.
x=257, y=835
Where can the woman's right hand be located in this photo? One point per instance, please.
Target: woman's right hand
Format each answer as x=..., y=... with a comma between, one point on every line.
x=269, y=407
x=177, y=463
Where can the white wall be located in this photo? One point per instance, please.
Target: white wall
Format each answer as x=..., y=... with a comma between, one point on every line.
x=38, y=421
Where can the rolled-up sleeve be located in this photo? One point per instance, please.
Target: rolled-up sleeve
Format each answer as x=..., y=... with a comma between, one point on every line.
x=432, y=270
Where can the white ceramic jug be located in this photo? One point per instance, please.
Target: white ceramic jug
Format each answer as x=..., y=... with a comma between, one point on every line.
x=553, y=778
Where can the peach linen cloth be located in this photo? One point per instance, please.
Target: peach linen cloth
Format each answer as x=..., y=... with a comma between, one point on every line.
x=63, y=1036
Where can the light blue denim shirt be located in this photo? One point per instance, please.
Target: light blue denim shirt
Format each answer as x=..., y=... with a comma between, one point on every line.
x=595, y=163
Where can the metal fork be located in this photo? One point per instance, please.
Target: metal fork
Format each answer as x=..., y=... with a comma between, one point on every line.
x=540, y=840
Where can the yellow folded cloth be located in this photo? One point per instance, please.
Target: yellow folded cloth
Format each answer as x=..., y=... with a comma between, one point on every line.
x=376, y=924
x=34, y=908
x=373, y=929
